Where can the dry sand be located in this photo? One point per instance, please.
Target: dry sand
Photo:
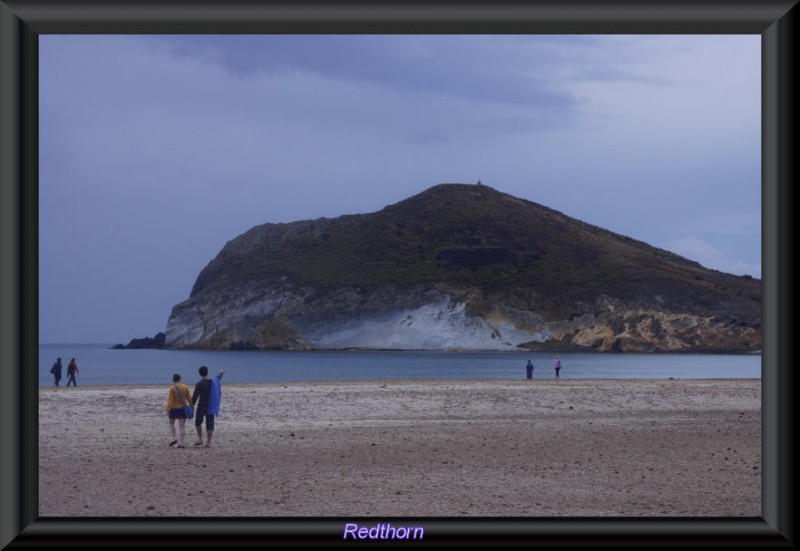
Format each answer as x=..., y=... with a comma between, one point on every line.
x=410, y=448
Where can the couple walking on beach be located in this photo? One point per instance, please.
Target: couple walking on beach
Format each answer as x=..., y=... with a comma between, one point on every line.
x=72, y=370
x=556, y=364
x=207, y=396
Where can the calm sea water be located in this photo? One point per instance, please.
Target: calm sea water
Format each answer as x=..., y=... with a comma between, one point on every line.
x=99, y=365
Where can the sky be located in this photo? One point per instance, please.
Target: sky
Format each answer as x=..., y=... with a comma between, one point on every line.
x=157, y=150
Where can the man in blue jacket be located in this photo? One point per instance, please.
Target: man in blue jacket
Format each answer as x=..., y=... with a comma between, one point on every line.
x=206, y=397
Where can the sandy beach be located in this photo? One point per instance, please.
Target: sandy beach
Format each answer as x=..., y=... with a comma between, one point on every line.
x=410, y=448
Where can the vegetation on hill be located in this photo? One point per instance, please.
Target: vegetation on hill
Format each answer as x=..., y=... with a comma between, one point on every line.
x=493, y=246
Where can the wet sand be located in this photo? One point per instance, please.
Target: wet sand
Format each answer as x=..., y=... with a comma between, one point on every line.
x=410, y=448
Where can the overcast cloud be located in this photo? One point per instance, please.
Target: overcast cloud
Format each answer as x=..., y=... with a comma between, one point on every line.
x=156, y=150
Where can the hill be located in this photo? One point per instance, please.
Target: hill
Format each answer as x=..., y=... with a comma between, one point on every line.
x=461, y=267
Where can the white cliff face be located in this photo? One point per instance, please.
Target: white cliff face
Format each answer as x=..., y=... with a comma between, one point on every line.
x=443, y=325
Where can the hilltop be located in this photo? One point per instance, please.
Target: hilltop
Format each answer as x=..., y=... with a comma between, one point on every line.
x=461, y=267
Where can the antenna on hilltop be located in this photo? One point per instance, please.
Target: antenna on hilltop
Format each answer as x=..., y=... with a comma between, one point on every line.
x=479, y=181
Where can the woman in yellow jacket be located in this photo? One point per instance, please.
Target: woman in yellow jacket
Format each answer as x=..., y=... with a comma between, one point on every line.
x=175, y=409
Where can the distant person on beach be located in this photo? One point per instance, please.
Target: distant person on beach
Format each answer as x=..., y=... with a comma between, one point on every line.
x=557, y=364
x=529, y=369
x=72, y=370
x=56, y=371
x=175, y=409
x=207, y=395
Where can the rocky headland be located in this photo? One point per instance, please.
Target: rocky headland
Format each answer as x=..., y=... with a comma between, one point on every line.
x=461, y=267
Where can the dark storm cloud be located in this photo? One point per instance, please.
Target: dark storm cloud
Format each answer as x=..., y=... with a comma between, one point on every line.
x=491, y=69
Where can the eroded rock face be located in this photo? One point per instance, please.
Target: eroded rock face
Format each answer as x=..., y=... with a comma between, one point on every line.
x=460, y=267
x=297, y=321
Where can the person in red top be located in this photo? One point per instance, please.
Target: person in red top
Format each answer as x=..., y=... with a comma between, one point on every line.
x=72, y=369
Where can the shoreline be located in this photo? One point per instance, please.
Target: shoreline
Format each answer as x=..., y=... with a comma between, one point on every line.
x=481, y=447
x=521, y=350
x=324, y=382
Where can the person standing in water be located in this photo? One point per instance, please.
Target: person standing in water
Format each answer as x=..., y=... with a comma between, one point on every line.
x=557, y=364
x=529, y=369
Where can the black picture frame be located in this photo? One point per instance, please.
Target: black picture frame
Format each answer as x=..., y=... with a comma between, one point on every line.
x=22, y=21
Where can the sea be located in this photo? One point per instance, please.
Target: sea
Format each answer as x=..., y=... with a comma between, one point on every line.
x=98, y=364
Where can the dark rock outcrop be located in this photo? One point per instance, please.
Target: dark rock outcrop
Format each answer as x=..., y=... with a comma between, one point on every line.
x=158, y=341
